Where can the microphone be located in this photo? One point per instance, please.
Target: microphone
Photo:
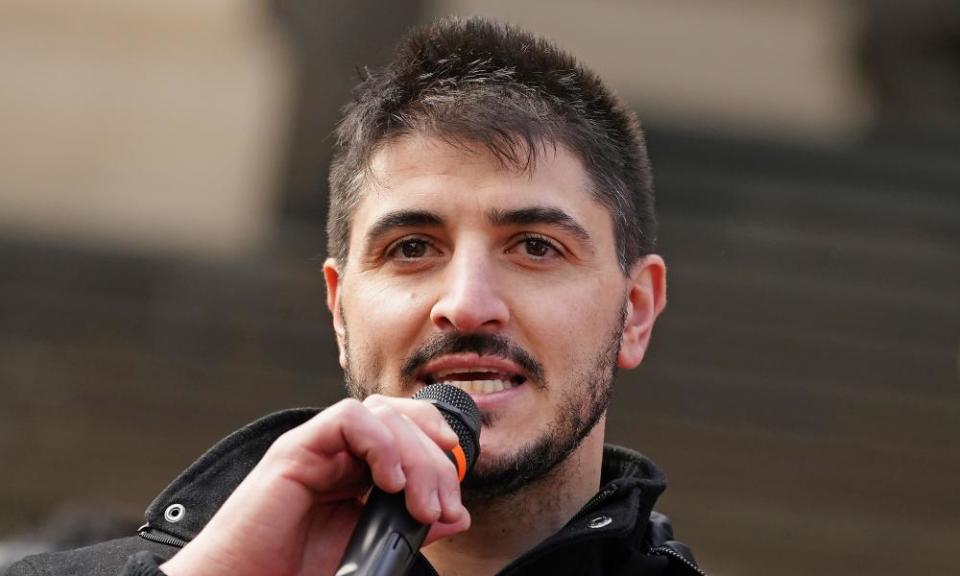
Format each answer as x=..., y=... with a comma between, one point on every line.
x=387, y=537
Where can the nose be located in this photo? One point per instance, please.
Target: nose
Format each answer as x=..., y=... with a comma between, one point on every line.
x=470, y=299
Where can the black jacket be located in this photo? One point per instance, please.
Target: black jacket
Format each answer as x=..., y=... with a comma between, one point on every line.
x=615, y=533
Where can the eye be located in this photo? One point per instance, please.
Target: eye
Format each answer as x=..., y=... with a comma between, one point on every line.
x=538, y=247
x=410, y=249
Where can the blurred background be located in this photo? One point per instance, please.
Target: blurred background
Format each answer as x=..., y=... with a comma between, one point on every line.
x=162, y=199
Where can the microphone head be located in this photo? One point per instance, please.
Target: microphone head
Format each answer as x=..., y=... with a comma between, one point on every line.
x=461, y=413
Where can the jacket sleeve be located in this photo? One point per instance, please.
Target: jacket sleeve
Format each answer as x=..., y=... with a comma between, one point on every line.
x=140, y=564
x=20, y=568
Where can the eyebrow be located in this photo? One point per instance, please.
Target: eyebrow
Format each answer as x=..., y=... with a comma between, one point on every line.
x=402, y=219
x=541, y=215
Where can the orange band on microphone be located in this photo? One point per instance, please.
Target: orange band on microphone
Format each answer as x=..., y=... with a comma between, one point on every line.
x=460, y=459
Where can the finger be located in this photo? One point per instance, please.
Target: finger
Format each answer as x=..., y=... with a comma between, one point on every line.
x=441, y=530
x=427, y=417
x=314, y=451
x=423, y=464
x=430, y=427
x=448, y=481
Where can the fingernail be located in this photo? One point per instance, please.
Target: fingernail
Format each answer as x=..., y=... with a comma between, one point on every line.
x=398, y=476
x=434, y=503
x=450, y=434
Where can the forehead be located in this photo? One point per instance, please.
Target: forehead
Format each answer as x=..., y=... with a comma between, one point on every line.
x=423, y=172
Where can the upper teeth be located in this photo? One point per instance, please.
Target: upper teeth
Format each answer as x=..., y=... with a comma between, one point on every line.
x=480, y=386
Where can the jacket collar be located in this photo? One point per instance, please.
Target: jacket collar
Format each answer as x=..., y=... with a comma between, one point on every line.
x=190, y=501
x=621, y=511
x=630, y=485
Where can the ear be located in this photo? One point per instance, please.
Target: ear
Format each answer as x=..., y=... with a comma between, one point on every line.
x=331, y=274
x=646, y=299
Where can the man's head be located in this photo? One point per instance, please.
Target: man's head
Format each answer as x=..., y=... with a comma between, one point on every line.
x=491, y=226
x=477, y=81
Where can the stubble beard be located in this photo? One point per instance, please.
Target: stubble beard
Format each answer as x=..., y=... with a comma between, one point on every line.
x=582, y=407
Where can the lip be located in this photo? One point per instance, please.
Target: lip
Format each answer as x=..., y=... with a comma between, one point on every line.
x=475, y=363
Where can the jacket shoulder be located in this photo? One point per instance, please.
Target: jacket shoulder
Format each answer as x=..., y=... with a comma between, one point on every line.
x=103, y=559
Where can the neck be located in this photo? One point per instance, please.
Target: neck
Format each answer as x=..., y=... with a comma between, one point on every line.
x=504, y=529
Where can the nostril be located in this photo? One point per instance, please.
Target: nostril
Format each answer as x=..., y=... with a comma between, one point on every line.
x=444, y=323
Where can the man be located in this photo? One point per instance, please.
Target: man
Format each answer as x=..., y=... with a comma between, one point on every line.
x=492, y=227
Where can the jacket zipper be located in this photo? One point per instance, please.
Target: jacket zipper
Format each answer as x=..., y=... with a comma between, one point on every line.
x=593, y=502
x=667, y=551
x=149, y=533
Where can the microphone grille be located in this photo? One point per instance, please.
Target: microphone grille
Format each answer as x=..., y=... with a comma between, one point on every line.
x=460, y=412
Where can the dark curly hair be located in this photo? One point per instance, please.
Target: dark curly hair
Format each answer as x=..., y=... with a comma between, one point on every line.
x=476, y=81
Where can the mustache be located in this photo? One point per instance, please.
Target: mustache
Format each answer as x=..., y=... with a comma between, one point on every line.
x=481, y=344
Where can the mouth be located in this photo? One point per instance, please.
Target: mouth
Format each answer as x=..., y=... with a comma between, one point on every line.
x=473, y=379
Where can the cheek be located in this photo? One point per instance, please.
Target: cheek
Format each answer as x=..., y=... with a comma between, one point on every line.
x=568, y=323
x=382, y=317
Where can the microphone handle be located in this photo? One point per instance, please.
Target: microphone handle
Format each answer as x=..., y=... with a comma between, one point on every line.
x=389, y=542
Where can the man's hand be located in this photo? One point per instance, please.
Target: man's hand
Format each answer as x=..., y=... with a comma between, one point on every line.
x=295, y=512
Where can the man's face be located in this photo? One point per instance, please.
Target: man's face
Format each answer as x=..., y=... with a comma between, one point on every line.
x=503, y=283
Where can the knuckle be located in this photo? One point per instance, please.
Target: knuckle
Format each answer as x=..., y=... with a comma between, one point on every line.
x=348, y=407
x=375, y=400
x=384, y=411
x=421, y=465
x=283, y=443
x=285, y=447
